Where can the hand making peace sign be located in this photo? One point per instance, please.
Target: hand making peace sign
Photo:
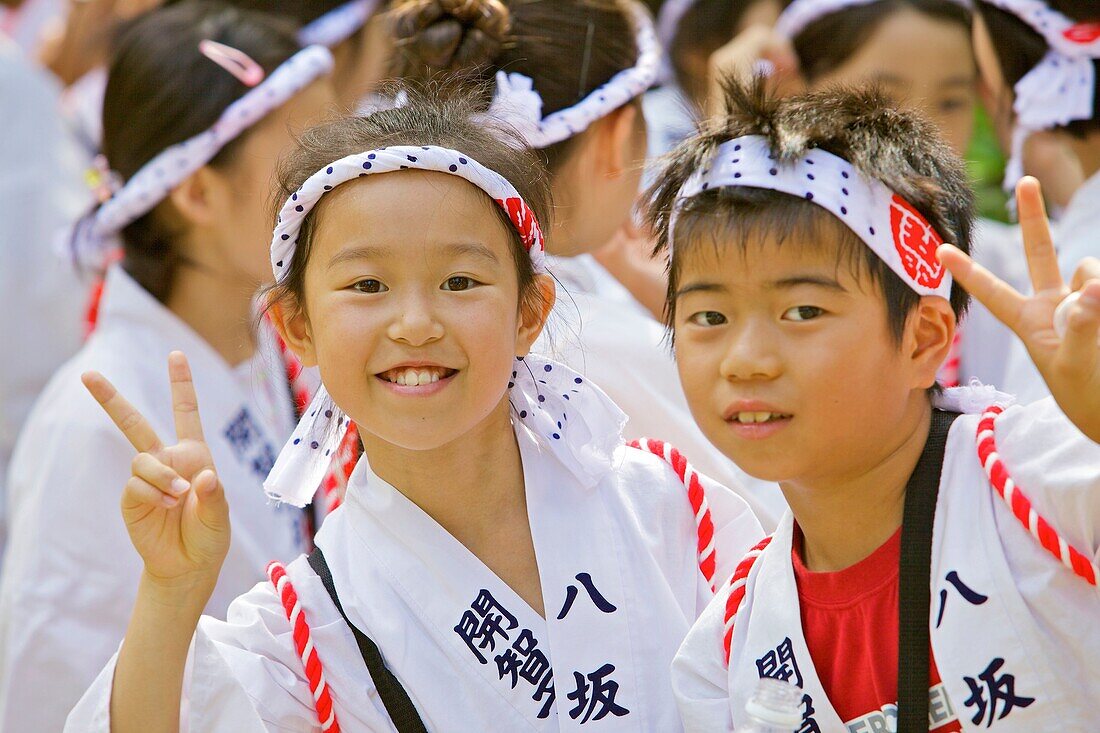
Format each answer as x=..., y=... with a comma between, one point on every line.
x=1069, y=363
x=173, y=505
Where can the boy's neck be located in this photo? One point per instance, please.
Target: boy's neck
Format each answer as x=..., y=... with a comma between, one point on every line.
x=471, y=486
x=844, y=519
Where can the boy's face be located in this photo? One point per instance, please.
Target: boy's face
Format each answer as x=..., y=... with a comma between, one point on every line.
x=787, y=359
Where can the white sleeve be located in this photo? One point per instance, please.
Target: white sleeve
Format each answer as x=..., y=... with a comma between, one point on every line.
x=1057, y=467
x=700, y=680
x=242, y=676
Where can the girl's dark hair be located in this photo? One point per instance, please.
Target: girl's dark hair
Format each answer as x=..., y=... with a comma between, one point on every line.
x=1019, y=48
x=436, y=113
x=568, y=47
x=162, y=91
x=830, y=41
x=897, y=147
x=706, y=26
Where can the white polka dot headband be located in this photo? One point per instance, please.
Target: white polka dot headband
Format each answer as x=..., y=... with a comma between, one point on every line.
x=94, y=237
x=1061, y=88
x=517, y=103
x=801, y=13
x=884, y=221
x=397, y=158
x=566, y=413
x=338, y=24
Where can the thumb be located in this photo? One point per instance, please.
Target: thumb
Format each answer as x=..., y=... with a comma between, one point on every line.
x=212, y=510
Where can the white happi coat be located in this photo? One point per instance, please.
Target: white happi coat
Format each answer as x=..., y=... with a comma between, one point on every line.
x=620, y=580
x=71, y=575
x=1014, y=632
x=601, y=331
x=1076, y=237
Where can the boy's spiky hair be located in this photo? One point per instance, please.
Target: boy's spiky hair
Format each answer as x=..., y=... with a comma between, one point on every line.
x=863, y=126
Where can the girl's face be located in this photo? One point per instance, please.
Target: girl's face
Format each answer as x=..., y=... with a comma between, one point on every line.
x=411, y=307
x=242, y=219
x=923, y=62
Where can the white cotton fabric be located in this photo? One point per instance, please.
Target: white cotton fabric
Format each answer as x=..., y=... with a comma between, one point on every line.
x=405, y=582
x=41, y=191
x=518, y=104
x=338, y=24
x=71, y=574
x=885, y=222
x=603, y=333
x=93, y=237
x=1033, y=618
x=1061, y=88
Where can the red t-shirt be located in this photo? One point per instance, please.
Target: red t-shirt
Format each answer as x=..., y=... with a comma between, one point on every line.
x=850, y=621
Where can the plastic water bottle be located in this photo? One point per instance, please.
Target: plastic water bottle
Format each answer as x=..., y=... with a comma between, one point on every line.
x=775, y=708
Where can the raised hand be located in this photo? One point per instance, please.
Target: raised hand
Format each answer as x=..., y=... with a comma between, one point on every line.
x=173, y=505
x=1069, y=362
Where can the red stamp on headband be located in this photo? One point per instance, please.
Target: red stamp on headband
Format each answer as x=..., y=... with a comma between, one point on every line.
x=916, y=242
x=1083, y=33
x=524, y=221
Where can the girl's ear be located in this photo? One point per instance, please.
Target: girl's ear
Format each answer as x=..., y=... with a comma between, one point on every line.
x=293, y=326
x=929, y=335
x=533, y=312
x=195, y=199
x=616, y=141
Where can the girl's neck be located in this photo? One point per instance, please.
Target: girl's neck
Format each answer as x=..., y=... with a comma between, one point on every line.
x=844, y=519
x=1087, y=150
x=470, y=486
x=217, y=308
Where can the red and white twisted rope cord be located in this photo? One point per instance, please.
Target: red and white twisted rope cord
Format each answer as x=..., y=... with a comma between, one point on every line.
x=1021, y=507
x=738, y=582
x=704, y=524
x=303, y=644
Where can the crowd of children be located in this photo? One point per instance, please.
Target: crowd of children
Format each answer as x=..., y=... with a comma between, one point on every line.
x=548, y=365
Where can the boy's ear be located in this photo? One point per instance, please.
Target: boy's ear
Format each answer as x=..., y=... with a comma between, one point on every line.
x=293, y=326
x=928, y=338
x=534, y=310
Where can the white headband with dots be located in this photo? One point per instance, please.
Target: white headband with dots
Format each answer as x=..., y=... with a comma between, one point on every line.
x=668, y=23
x=517, y=103
x=338, y=24
x=94, y=236
x=884, y=221
x=1061, y=88
x=801, y=13
x=568, y=415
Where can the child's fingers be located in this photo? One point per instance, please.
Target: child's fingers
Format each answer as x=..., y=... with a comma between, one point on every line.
x=1080, y=350
x=124, y=415
x=139, y=492
x=151, y=470
x=1087, y=269
x=1042, y=260
x=212, y=509
x=996, y=295
x=185, y=403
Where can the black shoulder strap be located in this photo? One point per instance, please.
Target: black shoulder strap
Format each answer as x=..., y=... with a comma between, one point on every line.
x=400, y=708
x=914, y=595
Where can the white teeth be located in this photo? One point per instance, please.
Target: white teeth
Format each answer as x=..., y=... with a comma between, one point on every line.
x=749, y=418
x=401, y=378
x=414, y=377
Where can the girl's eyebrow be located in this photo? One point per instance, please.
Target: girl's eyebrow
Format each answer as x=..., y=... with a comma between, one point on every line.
x=375, y=252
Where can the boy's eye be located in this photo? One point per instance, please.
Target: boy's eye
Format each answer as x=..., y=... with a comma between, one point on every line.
x=954, y=105
x=370, y=285
x=707, y=318
x=459, y=282
x=802, y=313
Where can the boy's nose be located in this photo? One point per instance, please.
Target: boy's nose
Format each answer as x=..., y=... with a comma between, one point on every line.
x=750, y=356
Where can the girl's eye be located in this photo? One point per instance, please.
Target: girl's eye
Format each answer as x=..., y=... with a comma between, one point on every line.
x=370, y=285
x=707, y=318
x=459, y=282
x=954, y=105
x=802, y=313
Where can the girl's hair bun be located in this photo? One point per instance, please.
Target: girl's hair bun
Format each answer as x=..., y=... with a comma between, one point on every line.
x=434, y=36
